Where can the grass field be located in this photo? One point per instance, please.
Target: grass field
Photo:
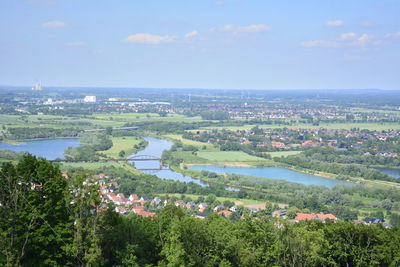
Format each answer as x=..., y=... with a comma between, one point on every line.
x=283, y=153
x=228, y=156
x=188, y=157
x=187, y=141
x=220, y=199
x=98, y=165
x=125, y=143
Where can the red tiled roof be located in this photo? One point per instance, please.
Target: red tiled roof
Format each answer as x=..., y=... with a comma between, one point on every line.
x=313, y=216
x=225, y=212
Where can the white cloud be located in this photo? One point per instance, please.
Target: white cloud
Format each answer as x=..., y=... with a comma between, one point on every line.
x=146, y=38
x=242, y=29
x=347, y=36
x=321, y=43
x=219, y=3
x=335, y=23
x=54, y=24
x=78, y=43
x=393, y=35
x=345, y=39
x=363, y=39
x=191, y=34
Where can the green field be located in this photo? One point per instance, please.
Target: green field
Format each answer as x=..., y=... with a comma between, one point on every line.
x=187, y=141
x=125, y=143
x=188, y=157
x=283, y=153
x=220, y=199
x=98, y=165
x=228, y=156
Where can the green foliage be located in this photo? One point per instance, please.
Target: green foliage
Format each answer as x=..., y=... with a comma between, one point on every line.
x=35, y=133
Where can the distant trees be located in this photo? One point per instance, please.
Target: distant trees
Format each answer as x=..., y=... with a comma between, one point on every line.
x=34, y=133
x=91, y=144
x=214, y=115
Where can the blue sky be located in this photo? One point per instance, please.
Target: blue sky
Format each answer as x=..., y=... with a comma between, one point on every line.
x=233, y=44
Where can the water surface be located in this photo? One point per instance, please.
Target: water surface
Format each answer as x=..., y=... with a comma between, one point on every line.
x=48, y=149
x=155, y=148
x=395, y=173
x=272, y=173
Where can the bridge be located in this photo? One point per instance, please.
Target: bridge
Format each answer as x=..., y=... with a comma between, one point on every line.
x=131, y=159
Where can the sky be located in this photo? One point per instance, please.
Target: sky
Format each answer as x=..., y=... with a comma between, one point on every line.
x=215, y=44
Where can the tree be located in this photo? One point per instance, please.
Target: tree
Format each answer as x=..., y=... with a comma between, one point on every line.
x=109, y=130
x=34, y=221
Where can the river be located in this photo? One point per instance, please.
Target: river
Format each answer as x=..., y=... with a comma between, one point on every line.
x=54, y=148
x=48, y=149
x=156, y=146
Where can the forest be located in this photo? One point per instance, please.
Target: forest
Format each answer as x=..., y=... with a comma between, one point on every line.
x=48, y=220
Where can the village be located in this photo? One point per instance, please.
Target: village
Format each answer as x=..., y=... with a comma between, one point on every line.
x=149, y=207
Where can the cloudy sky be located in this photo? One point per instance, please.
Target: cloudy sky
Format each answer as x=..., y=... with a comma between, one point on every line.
x=238, y=44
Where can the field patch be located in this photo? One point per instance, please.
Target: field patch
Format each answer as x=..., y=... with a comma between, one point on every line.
x=125, y=143
x=227, y=156
x=283, y=153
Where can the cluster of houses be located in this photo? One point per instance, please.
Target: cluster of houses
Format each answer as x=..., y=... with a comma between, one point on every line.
x=298, y=139
x=137, y=205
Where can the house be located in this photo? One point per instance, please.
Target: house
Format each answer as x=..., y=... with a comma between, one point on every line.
x=314, y=216
x=388, y=226
x=253, y=210
x=145, y=198
x=180, y=203
x=202, y=207
x=218, y=208
x=167, y=202
x=120, y=210
x=307, y=143
x=225, y=213
x=201, y=216
x=191, y=205
x=133, y=197
x=155, y=201
x=233, y=209
x=370, y=221
x=279, y=213
x=278, y=144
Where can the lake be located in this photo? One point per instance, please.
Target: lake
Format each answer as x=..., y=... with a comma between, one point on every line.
x=272, y=173
x=156, y=146
x=48, y=149
x=395, y=173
